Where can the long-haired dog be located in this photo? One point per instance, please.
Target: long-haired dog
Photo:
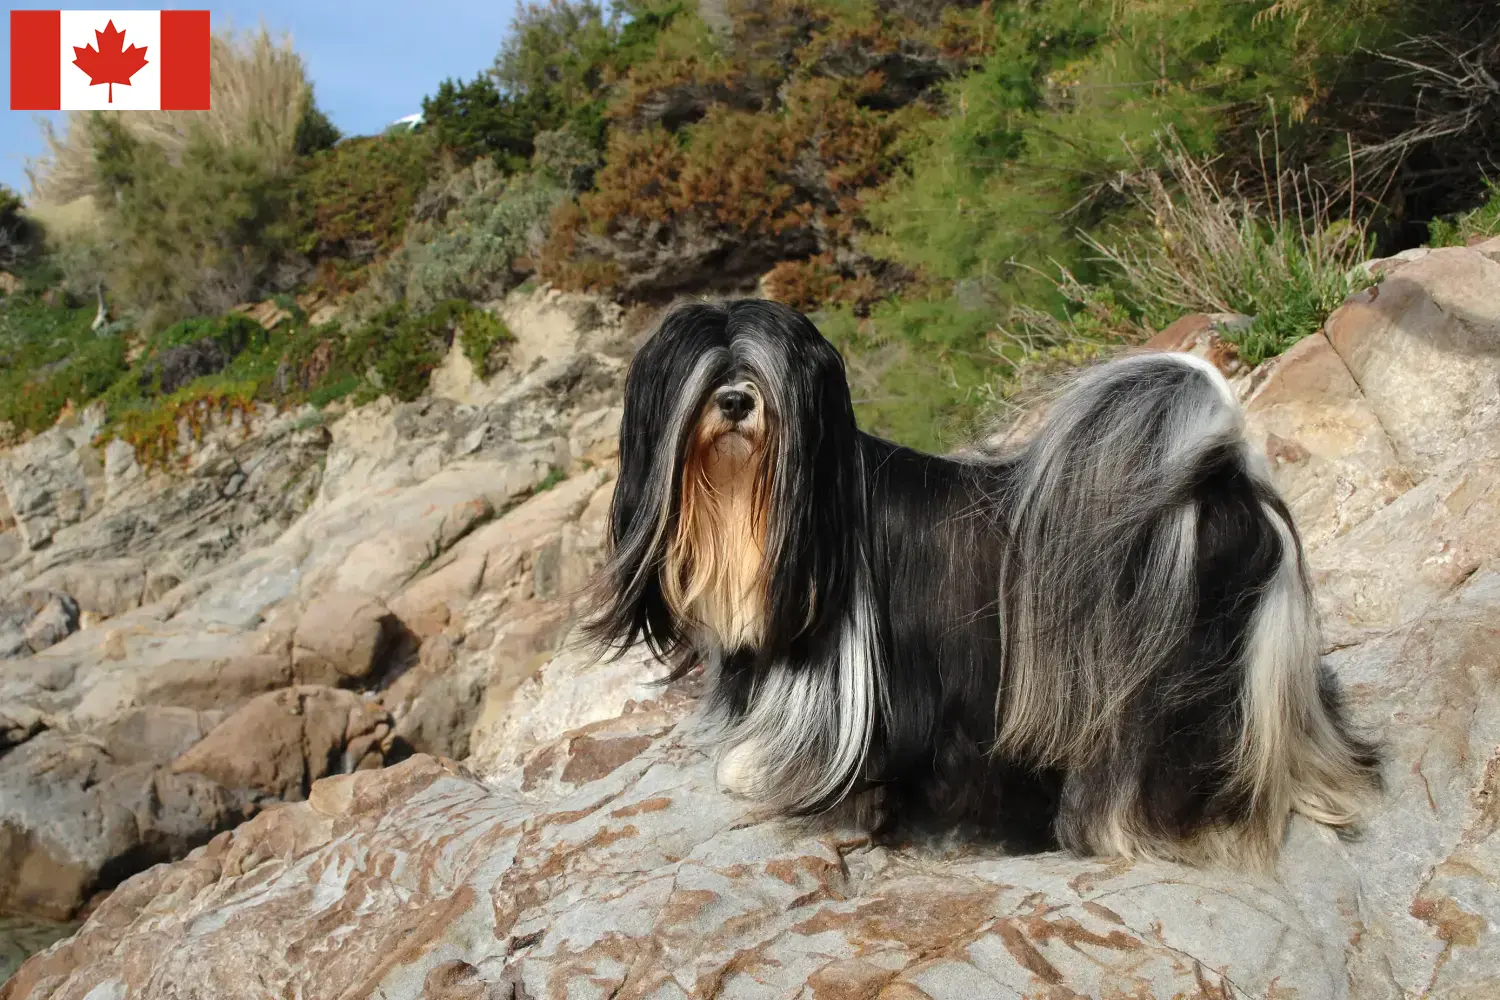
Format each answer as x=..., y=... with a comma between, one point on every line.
x=1104, y=641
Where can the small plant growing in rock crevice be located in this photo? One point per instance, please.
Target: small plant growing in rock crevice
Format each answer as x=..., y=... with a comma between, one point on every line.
x=1479, y=223
x=481, y=332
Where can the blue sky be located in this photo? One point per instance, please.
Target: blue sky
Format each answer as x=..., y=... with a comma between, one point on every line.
x=370, y=62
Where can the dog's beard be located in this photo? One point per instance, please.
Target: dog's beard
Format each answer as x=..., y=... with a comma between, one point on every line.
x=714, y=576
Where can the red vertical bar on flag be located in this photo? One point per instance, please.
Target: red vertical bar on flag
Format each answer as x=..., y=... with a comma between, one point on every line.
x=35, y=60
x=184, y=60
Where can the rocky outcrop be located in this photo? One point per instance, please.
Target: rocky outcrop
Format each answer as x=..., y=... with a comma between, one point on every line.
x=51, y=481
x=603, y=861
x=367, y=586
x=81, y=810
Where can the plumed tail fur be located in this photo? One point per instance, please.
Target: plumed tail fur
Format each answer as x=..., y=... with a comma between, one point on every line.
x=1161, y=645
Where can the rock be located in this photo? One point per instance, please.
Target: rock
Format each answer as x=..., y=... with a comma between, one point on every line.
x=34, y=621
x=20, y=938
x=267, y=313
x=584, y=850
x=280, y=743
x=609, y=864
x=121, y=470
x=18, y=723
x=437, y=702
x=342, y=638
x=202, y=581
x=529, y=700
x=1329, y=455
x=56, y=620
x=1199, y=333
x=106, y=587
x=47, y=482
x=595, y=437
x=81, y=811
x=1423, y=345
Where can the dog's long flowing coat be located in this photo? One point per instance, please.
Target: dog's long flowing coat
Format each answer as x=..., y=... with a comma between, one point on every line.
x=1105, y=640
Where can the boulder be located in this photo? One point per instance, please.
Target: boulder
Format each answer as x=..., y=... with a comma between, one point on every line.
x=1423, y=346
x=341, y=638
x=34, y=621
x=213, y=585
x=595, y=437
x=1328, y=452
x=81, y=811
x=278, y=744
x=53, y=622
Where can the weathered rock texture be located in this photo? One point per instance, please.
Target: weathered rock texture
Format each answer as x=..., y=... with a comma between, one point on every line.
x=300, y=598
x=603, y=862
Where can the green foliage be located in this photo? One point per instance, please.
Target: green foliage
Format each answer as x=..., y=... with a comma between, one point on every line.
x=915, y=364
x=396, y=350
x=483, y=221
x=48, y=356
x=234, y=333
x=481, y=333
x=1286, y=261
x=553, y=477
x=16, y=231
x=315, y=131
x=1479, y=223
x=154, y=430
x=474, y=119
x=187, y=238
x=553, y=75
x=1054, y=135
x=352, y=202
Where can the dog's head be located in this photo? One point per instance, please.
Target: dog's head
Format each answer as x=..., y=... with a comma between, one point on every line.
x=738, y=499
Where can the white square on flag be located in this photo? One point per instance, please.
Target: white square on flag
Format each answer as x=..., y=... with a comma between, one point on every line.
x=81, y=29
x=109, y=60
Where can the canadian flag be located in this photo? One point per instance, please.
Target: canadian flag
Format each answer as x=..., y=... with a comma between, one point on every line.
x=115, y=60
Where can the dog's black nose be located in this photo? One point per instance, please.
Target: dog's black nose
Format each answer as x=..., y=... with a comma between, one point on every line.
x=735, y=404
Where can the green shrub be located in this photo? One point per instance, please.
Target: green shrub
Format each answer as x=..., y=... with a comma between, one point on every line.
x=1478, y=223
x=352, y=202
x=154, y=428
x=553, y=74
x=315, y=131
x=49, y=356
x=480, y=222
x=17, y=233
x=1286, y=262
x=915, y=366
x=191, y=238
x=474, y=119
x=397, y=349
x=482, y=332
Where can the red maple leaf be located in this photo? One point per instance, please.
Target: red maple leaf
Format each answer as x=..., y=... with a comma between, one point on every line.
x=111, y=62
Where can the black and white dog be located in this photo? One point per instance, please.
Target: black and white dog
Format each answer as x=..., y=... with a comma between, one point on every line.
x=1104, y=641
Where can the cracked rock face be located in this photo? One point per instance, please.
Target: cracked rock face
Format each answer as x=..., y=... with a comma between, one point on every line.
x=296, y=602
x=603, y=861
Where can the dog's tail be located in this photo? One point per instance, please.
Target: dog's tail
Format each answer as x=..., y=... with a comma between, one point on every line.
x=1154, y=586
